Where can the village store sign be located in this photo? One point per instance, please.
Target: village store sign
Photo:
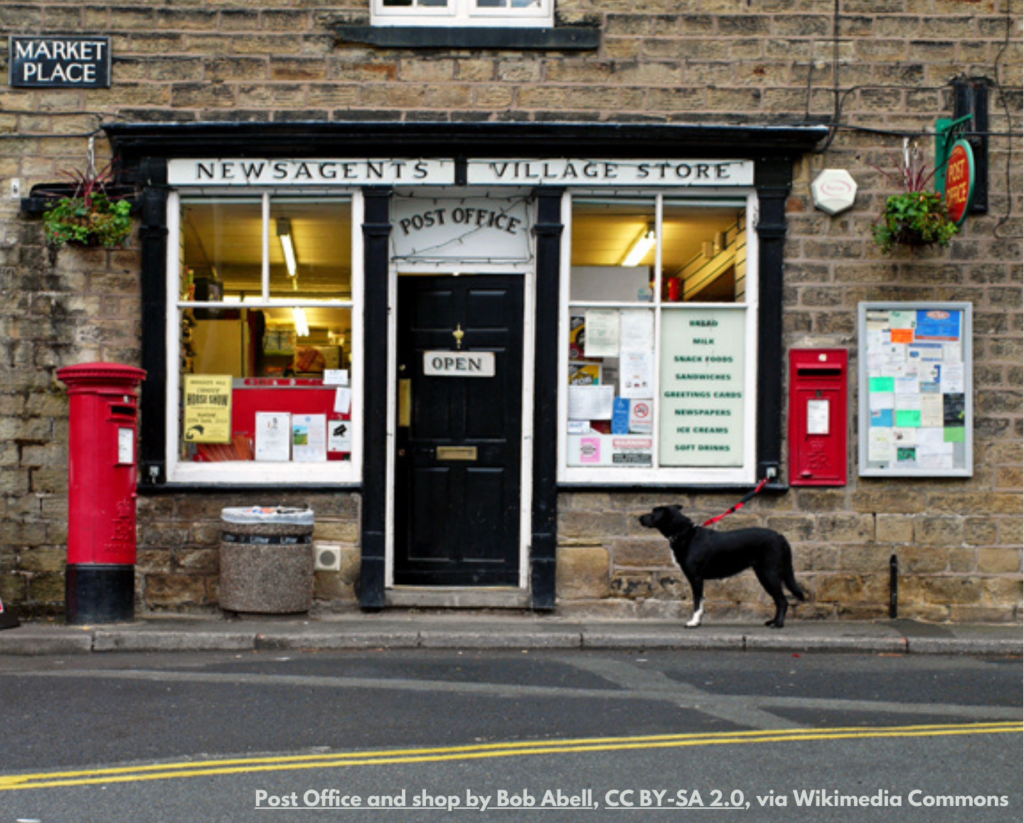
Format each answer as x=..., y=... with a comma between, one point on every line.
x=60, y=62
x=439, y=172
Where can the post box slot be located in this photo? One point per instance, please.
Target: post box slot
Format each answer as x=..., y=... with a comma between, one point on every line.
x=819, y=372
x=128, y=411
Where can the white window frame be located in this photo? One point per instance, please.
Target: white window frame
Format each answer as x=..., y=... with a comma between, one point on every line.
x=657, y=475
x=251, y=472
x=463, y=13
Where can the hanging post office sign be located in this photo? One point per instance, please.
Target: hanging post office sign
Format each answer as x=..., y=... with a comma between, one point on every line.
x=60, y=62
x=960, y=179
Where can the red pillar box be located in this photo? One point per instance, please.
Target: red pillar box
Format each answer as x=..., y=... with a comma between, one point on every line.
x=818, y=424
x=100, y=575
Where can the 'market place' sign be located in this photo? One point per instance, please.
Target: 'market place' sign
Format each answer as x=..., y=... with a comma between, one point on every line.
x=60, y=62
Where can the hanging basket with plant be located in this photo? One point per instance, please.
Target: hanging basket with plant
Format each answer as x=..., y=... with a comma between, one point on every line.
x=916, y=217
x=89, y=216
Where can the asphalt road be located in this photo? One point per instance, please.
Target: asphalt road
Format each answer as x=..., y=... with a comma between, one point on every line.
x=577, y=736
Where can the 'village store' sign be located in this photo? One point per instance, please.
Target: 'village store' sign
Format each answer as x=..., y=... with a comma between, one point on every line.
x=60, y=62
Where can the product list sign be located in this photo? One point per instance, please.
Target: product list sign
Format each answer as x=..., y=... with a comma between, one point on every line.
x=60, y=62
x=702, y=387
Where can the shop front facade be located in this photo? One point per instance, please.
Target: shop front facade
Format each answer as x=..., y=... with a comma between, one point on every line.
x=479, y=348
x=460, y=337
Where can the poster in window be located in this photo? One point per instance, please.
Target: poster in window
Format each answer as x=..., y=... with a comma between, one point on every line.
x=914, y=386
x=309, y=438
x=273, y=436
x=591, y=402
x=602, y=333
x=637, y=375
x=207, y=408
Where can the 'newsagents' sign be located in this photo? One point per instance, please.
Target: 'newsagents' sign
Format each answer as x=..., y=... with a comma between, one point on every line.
x=60, y=62
x=310, y=172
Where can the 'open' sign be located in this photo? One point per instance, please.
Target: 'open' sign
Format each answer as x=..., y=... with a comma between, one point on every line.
x=458, y=364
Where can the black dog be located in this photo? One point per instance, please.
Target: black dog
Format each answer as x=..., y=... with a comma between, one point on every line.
x=704, y=554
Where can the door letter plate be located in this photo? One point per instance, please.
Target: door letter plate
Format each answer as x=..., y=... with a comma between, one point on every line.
x=456, y=453
x=405, y=403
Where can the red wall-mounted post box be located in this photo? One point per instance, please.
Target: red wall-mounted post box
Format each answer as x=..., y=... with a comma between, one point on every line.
x=818, y=421
x=103, y=429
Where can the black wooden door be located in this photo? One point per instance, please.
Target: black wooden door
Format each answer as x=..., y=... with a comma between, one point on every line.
x=459, y=435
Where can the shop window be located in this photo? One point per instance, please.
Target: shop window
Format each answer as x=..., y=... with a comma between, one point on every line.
x=658, y=329
x=516, y=13
x=266, y=341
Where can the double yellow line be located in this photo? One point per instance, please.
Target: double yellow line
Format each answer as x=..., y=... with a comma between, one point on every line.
x=251, y=765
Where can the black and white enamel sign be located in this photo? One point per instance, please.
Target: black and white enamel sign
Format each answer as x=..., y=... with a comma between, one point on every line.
x=480, y=229
x=458, y=364
x=60, y=62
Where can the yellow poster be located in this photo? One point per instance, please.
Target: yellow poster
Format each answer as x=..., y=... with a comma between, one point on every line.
x=207, y=408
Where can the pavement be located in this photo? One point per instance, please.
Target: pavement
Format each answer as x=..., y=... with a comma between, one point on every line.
x=414, y=629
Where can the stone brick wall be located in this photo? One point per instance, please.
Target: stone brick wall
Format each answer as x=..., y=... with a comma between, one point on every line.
x=879, y=70
x=179, y=546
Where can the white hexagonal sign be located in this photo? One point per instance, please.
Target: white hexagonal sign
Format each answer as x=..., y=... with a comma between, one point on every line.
x=834, y=191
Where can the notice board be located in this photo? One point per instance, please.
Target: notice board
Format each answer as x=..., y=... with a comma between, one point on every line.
x=915, y=390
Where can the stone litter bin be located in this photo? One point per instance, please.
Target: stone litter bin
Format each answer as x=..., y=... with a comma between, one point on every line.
x=266, y=560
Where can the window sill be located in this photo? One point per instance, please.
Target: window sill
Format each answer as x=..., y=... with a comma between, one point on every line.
x=570, y=38
x=680, y=488
x=153, y=490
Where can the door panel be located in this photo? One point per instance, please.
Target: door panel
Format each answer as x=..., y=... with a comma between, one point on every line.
x=458, y=462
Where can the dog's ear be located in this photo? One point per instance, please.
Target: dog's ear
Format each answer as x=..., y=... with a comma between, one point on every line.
x=676, y=506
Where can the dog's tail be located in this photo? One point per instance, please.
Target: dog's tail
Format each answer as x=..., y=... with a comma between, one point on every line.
x=790, y=582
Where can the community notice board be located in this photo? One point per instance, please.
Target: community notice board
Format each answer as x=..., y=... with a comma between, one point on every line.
x=915, y=411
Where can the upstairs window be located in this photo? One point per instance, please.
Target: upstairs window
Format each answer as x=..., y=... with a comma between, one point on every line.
x=519, y=13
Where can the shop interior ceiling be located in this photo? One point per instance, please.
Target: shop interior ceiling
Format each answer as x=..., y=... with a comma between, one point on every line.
x=602, y=238
x=323, y=242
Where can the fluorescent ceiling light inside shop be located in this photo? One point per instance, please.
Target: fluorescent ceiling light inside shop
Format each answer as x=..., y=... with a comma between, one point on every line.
x=643, y=244
x=284, y=234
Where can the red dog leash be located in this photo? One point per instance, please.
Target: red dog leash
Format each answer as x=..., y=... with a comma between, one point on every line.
x=739, y=505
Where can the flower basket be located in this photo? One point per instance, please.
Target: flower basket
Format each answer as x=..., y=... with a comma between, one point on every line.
x=916, y=217
x=88, y=216
x=913, y=219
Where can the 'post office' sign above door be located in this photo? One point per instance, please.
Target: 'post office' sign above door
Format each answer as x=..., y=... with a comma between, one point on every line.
x=467, y=229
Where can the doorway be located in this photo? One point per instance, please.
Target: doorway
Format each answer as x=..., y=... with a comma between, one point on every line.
x=459, y=432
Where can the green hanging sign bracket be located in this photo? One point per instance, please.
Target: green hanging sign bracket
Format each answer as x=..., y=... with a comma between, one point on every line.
x=946, y=134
